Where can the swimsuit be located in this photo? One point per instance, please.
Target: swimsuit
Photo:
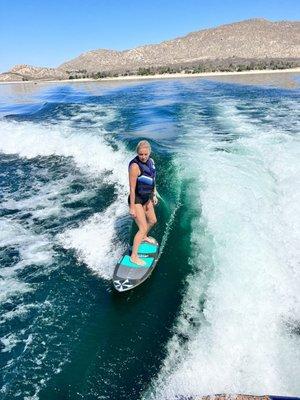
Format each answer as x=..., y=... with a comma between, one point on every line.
x=140, y=200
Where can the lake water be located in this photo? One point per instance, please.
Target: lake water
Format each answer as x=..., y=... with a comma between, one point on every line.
x=221, y=312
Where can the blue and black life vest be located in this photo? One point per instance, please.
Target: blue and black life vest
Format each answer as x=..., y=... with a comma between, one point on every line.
x=146, y=180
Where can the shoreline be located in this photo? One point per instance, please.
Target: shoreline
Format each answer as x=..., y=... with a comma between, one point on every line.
x=179, y=75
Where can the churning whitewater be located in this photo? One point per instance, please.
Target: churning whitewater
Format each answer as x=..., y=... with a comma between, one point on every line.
x=243, y=294
x=225, y=318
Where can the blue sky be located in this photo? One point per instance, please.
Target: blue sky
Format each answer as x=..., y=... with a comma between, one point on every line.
x=47, y=33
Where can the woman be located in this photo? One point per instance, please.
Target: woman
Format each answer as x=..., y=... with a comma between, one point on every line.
x=142, y=197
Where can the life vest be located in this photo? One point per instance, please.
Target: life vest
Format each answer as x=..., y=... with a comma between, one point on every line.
x=146, y=180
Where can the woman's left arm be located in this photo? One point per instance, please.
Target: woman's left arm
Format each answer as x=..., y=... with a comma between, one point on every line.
x=155, y=199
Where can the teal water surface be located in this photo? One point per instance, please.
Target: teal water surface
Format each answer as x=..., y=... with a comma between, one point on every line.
x=221, y=311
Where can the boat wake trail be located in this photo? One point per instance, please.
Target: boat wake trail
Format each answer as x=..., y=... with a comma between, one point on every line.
x=98, y=163
x=238, y=330
x=62, y=188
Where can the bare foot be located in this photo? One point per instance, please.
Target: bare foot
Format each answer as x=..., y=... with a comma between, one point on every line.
x=138, y=261
x=149, y=240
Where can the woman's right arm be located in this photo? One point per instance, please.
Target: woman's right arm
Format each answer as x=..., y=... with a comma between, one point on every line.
x=134, y=172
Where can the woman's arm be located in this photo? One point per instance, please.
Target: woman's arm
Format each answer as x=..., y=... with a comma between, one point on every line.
x=134, y=172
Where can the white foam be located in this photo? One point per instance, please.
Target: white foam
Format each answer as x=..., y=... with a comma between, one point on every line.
x=88, y=150
x=9, y=342
x=46, y=200
x=32, y=248
x=18, y=312
x=95, y=240
x=94, y=157
x=245, y=267
x=11, y=286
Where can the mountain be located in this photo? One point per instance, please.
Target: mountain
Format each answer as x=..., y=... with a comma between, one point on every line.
x=251, y=39
x=25, y=72
x=245, y=43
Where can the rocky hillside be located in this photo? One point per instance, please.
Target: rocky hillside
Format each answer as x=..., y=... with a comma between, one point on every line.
x=251, y=39
x=252, y=44
x=27, y=73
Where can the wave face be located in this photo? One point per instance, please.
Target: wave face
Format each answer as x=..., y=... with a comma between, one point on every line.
x=228, y=276
x=238, y=330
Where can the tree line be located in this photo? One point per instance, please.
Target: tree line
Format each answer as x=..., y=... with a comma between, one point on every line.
x=224, y=65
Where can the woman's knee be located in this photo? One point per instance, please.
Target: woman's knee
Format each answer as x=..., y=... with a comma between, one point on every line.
x=152, y=221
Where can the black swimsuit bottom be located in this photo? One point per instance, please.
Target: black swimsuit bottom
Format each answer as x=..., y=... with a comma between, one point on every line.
x=141, y=199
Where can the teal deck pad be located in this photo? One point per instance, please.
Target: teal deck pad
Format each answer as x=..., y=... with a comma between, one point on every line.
x=127, y=263
x=147, y=248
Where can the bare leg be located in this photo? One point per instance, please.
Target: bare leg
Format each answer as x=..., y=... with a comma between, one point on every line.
x=142, y=232
x=150, y=217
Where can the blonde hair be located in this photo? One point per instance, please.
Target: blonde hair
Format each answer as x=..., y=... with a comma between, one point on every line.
x=143, y=143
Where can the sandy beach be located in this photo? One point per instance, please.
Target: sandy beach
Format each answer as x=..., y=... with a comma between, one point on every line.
x=202, y=74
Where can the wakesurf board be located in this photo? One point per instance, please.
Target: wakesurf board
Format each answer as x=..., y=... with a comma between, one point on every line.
x=128, y=275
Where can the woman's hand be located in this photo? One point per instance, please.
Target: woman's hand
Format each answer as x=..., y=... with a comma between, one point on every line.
x=132, y=211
